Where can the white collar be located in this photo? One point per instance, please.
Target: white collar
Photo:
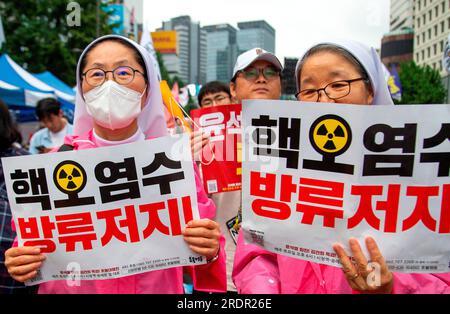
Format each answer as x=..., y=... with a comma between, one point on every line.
x=101, y=142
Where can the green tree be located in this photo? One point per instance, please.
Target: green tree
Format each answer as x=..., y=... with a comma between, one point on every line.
x=39, y=38
x=421, y=84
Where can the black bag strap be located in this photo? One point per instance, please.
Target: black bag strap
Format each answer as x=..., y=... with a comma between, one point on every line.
x=65, y=148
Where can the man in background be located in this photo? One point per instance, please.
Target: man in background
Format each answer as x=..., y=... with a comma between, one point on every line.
x=56, y=127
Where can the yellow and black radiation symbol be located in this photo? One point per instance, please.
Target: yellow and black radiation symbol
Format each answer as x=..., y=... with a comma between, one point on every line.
x=330, y=135
x=69, y=177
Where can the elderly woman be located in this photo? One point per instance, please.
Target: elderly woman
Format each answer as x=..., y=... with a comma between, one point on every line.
x=118, y=102
x=332, y=72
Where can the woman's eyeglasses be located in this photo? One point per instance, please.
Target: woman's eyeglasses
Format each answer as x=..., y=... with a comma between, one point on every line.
x=122, y=75
x=334, y=90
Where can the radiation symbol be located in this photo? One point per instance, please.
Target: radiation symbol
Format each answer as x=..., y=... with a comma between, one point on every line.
x=330, y=135
x=69, y=177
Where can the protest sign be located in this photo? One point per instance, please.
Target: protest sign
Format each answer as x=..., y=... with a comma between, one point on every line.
x=317, y=174
x=221, y=158
x=107, y=212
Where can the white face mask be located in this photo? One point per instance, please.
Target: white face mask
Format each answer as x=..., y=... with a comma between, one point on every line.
x=112, y=105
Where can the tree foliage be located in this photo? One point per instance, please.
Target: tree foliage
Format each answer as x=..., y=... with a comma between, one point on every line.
x=39, y=38
x=421, y=84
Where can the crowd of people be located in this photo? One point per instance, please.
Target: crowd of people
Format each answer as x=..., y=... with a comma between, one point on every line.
x=119, y=101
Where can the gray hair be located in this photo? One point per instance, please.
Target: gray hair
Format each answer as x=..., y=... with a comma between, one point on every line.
x=333, y=49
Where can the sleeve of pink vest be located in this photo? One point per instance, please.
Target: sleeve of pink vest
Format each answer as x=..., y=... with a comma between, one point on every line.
x=421, y=283
x=255, y=270
x=209, y=277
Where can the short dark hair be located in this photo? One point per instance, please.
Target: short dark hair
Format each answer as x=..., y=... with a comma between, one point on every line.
x=213, y=88
x=8, y=131
x=47, y=106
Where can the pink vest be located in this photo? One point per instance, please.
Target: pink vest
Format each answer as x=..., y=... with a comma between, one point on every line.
x=259, y=271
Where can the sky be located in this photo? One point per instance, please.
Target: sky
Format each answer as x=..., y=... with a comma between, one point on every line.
x=298, y=23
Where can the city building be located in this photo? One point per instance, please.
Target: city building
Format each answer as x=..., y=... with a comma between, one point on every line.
x=224, y=43
x=288, y=84
x=166, y=43
x=221, y=52
x=422, y=24
x=402, y=15
x=190, y=39
x=431, y=28
x=397, y=47
x=208, y=53
x=255, y=34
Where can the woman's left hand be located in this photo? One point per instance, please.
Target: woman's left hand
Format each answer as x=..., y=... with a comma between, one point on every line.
x=203, y=236
x=357, y=274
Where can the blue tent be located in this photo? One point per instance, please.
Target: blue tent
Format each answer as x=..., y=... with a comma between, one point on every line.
x=11, y=94
x=25, y=89
x=55, y=82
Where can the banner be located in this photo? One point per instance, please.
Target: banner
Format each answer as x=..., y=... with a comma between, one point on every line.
x=221, y=160
x=147, y=43
x=107, y=212
x=394, y=84
x=317, y=174
x=165, y=42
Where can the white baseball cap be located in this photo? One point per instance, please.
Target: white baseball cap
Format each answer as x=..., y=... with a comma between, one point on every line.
x=252, y=55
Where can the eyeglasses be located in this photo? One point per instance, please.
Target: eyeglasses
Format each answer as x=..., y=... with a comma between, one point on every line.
x=219, y=99
x=123, y=75
x=252, y=74
x=334, y=90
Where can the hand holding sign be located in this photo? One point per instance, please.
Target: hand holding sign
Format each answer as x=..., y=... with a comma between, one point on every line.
x=198, y=141
x=23, y=262
x=203, y=236
x=358, y=274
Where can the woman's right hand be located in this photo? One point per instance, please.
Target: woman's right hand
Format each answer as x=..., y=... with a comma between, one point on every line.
x=198, y=141
x=23, y=262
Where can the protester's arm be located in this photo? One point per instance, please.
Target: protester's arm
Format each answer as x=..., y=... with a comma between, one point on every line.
x=255, y=270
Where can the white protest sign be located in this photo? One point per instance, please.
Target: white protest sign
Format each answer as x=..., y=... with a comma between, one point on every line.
x=106, y=212
x=316, y=174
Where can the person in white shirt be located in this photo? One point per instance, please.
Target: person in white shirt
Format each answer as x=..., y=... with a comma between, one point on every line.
x=56, y=127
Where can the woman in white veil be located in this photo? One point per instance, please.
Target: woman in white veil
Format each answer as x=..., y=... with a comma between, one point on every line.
x=119, y=101
x=332, y=72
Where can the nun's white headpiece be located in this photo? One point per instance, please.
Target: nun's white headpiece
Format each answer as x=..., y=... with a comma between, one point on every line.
x=151, y=119
x=369, y=59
